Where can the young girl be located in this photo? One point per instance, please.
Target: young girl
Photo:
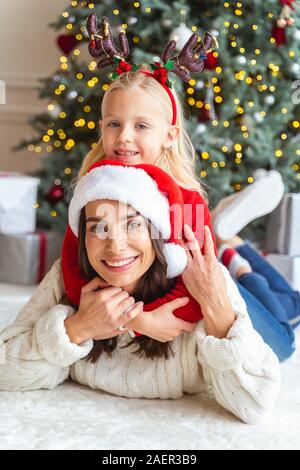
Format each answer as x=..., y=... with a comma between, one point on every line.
x=142, y=122
x=135, y=247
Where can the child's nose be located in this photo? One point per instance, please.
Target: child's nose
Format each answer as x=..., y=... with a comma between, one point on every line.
x=125, y=135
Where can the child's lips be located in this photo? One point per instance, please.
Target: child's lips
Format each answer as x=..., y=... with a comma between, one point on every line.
x=126, y=154
x=123, y=158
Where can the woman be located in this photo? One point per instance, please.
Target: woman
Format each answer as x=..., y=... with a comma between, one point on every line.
x=135, y=247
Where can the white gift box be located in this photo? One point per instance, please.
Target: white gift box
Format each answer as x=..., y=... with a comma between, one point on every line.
x=288, y=266
x=18, y=194
x=26, y=258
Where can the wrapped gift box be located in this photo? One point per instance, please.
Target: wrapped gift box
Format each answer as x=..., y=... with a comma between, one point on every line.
x=283, y=227
x=288, y=266
x=26, y=258
x=18, y=194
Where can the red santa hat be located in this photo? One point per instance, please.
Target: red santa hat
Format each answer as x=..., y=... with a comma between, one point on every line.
x=149, y=190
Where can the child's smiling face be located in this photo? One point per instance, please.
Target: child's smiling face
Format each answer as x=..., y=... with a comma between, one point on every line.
x=134, y=122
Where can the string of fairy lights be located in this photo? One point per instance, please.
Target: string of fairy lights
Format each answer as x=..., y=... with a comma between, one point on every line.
x=57, y=138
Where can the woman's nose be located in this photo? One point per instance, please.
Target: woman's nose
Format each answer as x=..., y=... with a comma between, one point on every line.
x=116, y=242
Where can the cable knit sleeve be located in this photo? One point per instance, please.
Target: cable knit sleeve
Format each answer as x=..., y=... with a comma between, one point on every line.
x=35, y=351
x=242, y=370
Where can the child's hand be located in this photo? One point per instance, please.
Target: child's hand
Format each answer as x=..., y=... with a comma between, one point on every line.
x=161, y=324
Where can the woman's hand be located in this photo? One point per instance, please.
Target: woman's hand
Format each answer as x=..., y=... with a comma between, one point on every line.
x=160, y=324
x=205, y=281
x=101, y=312
x=203, y=275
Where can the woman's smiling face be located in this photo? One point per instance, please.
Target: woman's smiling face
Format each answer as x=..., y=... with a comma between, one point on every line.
x=118, y=242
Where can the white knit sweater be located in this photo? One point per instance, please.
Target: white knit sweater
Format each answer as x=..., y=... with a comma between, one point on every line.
x=242, y=371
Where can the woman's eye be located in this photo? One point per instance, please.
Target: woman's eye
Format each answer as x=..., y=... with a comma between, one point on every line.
x=99, y=228
x=110, y=124
x=142, y=126
x=134, y=225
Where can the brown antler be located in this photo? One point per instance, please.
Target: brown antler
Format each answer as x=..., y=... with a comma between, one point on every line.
x=188, y=60
x=102, y=45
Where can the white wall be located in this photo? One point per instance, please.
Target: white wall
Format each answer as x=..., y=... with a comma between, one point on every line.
x=28, y=51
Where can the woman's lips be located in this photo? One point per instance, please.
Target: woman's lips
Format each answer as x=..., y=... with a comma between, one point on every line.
x=118, y=269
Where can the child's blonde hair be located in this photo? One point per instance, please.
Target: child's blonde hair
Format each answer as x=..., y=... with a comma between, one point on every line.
x=178, y=161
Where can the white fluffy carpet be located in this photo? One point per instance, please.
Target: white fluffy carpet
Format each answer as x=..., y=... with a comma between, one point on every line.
x=75, y=417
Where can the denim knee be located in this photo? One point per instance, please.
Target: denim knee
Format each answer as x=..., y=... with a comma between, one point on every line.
x=254, y=278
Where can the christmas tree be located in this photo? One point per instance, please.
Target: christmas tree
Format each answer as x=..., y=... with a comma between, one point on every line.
x=243, y=109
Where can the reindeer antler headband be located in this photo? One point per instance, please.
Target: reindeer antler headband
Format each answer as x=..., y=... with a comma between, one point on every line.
x=190, y=59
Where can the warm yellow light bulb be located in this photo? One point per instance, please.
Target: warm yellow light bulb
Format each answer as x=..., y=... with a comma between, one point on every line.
x=205, y=155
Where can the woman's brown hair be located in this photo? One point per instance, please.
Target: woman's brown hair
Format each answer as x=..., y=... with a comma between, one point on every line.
x=152, y=285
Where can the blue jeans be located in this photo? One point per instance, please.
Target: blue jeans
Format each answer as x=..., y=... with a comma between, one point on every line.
x=272, y=304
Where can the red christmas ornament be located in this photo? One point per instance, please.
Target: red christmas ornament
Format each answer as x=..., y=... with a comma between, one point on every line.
x=211, y=61
x=55, y=194
x=205, y=115
x=284, y=20
x=66, y=42
x=289, y=3
x=279, y=35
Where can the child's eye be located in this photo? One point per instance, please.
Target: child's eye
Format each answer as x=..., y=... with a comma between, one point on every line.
x=115, y=124
x=134, y=225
